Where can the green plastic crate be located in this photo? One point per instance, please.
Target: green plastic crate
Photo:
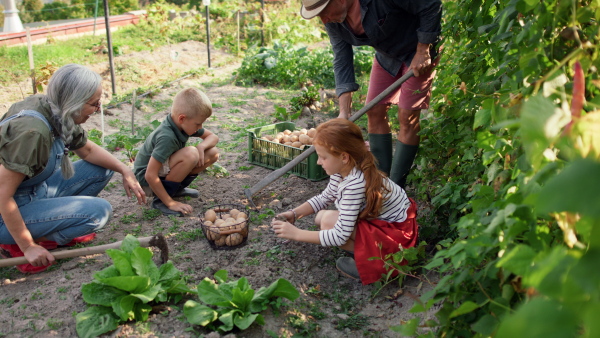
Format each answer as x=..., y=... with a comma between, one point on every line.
x=274, y=155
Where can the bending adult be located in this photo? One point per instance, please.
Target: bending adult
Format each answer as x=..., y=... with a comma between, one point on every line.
x=404, y=34
x=45, y=199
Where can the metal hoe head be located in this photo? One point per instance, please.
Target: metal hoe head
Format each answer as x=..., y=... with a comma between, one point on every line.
x=160, y=242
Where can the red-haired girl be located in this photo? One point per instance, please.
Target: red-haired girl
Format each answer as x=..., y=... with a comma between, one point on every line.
x=374, y=217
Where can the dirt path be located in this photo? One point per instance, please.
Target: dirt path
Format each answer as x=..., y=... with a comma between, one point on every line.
x=330, y=305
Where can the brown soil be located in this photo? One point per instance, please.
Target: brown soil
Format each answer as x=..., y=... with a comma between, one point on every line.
x=44, y=304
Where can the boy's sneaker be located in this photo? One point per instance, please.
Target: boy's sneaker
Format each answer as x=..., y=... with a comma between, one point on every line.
x=347, y=266
x=158, y=204
x=13, y=250
x=185, y=192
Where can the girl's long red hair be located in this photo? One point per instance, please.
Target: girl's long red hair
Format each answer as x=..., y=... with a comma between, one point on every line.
x=342, y=136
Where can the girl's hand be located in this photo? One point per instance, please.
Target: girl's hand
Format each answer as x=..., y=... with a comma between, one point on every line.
x=285, y=216
x=38, y=255
x=284, y=229
x=181, y=207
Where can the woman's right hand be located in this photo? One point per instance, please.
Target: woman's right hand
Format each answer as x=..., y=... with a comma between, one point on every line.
x=181, y=207
x=38, y=255
x=132, y=187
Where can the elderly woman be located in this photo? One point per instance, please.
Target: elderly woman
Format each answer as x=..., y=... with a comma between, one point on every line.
x=45, y=200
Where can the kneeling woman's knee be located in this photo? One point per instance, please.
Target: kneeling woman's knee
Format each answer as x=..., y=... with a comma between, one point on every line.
x=101, y=213
x=108, y=174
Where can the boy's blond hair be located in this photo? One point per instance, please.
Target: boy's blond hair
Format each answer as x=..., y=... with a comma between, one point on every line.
x=191, y=102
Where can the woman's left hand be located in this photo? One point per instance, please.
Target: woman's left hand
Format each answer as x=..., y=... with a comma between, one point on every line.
x=132, y=186
x=284, y=229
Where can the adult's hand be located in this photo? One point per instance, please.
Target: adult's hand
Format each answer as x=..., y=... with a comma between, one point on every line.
x=345, y=101
x=99, y=156
x=9, y=181
x=421, y=62
x=132, y=187
x=38, y=255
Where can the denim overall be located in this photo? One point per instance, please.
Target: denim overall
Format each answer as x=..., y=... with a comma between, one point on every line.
x=60, y=209
x=37, y=184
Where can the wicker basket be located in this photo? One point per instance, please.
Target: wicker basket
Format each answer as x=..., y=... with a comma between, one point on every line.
x=226, y=237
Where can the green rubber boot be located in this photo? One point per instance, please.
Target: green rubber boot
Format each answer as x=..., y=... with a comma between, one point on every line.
x=404, y=156
x=381, y=148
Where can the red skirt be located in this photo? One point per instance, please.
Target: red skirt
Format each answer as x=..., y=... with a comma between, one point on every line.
x=377, y=238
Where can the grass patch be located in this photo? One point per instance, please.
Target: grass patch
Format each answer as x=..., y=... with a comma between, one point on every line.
x=354, y=322
x=151, y=214
x=159, y=106
x=128, y=219
x=304, y=327
x=236, y=102
x=54, y=324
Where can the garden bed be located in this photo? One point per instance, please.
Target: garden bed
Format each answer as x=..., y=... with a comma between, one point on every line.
x=329, y=306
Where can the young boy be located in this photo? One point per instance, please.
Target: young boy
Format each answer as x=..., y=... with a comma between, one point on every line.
x=166, y=164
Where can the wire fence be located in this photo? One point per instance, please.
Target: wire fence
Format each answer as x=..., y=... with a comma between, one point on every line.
x=35, y=11
x=59, y=8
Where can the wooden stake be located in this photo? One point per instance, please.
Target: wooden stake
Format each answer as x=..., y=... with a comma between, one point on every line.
x=133, y=111
x=110, y=48
x=31, y=65
x=208, y=34
x=102, y=123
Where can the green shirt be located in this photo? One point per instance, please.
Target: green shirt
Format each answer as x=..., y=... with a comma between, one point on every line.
x=163, y=142
x=26, y=142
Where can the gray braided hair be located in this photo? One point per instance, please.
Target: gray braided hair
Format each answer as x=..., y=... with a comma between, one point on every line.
x=69, y=88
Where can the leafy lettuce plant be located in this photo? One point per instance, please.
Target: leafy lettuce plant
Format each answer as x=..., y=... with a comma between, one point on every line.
x=124, y=290
x=234, y=303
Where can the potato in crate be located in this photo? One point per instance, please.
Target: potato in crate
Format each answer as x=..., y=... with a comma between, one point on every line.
x=225, y=226
x=275, y=145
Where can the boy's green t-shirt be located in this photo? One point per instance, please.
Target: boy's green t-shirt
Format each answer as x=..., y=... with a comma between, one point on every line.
x=160, y=144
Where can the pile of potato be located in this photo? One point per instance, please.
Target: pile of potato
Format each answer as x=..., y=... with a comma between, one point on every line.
x=229, y=228
x=297, y=138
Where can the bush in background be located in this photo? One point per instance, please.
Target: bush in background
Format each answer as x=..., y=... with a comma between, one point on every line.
x=289, y=67
x=28, y=10
x=37, y=11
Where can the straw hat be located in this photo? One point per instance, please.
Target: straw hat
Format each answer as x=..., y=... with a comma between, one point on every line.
x=312, y=8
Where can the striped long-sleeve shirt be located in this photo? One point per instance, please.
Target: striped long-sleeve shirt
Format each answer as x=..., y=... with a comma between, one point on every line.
x=348, y=194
